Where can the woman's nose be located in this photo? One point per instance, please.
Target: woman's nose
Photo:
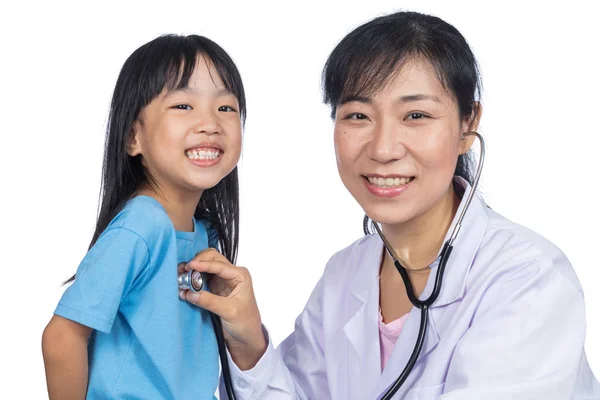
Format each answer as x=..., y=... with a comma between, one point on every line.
x=386, y=144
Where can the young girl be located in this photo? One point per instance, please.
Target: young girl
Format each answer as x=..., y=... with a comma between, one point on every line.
x=169, y=191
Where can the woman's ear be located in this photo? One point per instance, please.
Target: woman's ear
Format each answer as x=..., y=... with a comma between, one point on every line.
x=470, y=125
x=134, y=144
x=466, y=141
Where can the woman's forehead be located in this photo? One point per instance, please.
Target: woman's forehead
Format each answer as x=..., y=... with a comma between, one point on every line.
x=413, y=79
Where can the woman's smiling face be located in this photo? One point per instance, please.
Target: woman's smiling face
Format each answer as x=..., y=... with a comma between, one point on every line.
x=397, y=149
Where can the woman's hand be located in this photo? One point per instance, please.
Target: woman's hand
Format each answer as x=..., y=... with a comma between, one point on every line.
x=231, y=297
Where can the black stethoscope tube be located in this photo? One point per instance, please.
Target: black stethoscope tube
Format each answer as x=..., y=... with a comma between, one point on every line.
x=194, y=281
x=218, y=327
x=424, y=305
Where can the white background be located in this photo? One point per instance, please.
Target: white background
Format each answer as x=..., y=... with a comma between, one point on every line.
x=59, y=65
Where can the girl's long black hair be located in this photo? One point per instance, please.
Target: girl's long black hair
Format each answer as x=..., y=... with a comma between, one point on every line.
x=166, y=62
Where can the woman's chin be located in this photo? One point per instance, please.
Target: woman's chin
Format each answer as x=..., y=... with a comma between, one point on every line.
x=389, y=215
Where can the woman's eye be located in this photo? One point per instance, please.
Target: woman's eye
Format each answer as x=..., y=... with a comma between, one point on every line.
x=358, y=116
x=226, y=109
x=183, y=107
x=416, y=115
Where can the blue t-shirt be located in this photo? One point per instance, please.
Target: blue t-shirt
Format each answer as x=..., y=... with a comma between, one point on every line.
x=146, y=343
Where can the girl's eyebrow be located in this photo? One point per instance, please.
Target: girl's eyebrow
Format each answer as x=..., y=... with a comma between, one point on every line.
x=188, y=90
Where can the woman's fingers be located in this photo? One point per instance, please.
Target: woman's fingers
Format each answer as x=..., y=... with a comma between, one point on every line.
x=218, y=286
x=224, y=278
x=230, y=273
x=211, y=302
x=181, y=268
x=232, y=299
x=210, y=254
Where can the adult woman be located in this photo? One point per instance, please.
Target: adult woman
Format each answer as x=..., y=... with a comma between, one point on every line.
x=509, y=322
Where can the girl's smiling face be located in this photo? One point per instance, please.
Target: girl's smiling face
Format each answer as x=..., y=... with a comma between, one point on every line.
x=189, y=138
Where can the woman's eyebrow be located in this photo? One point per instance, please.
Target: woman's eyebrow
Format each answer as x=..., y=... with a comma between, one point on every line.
x=402, y=99
x=417, y=97
x=357, y=98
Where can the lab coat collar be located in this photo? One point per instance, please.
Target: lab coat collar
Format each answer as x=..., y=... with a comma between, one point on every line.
x=464, y=250
x=362, y=327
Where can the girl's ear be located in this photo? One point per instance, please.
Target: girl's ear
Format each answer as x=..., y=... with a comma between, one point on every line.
x=134, y=144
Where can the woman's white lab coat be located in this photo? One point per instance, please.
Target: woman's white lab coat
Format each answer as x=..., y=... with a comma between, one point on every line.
x=509, y=324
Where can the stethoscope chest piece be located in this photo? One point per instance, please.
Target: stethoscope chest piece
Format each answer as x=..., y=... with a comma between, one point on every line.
x=191, y=280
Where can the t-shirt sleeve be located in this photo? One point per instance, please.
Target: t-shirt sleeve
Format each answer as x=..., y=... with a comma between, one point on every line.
x=107, y=273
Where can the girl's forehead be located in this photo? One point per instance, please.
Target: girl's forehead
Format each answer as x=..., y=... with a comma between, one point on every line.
x=204, y=74
x=185, y=73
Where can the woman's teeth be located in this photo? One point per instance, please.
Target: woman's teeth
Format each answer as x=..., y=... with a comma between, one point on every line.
x=388, y=182
x=203, y=154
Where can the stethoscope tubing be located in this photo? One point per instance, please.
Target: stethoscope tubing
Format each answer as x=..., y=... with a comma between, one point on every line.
x=195, y=281
x=424, y=305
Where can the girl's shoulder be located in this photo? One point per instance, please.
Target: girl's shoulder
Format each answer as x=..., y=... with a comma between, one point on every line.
x=145, y=217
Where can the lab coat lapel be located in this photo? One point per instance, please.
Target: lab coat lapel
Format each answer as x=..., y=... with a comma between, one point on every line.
x=453, y=289
x=362, y=329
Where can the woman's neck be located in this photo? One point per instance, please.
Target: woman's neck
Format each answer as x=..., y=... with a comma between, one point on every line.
x=417, y=242
x=180, y=207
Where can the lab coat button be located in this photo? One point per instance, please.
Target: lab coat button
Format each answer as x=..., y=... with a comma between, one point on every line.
x=242, y=384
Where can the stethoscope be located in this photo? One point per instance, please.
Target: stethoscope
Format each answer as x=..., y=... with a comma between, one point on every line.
x=194, y=281
x=424, y=305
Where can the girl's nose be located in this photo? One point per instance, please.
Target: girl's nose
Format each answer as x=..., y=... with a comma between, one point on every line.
x=207, y=123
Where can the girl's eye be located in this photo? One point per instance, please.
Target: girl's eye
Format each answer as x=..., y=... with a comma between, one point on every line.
x=358, y=116
x=183, y=107
x=226, y=109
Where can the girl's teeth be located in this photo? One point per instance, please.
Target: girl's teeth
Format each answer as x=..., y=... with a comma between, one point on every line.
x=203, y=154
x=388, y=182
